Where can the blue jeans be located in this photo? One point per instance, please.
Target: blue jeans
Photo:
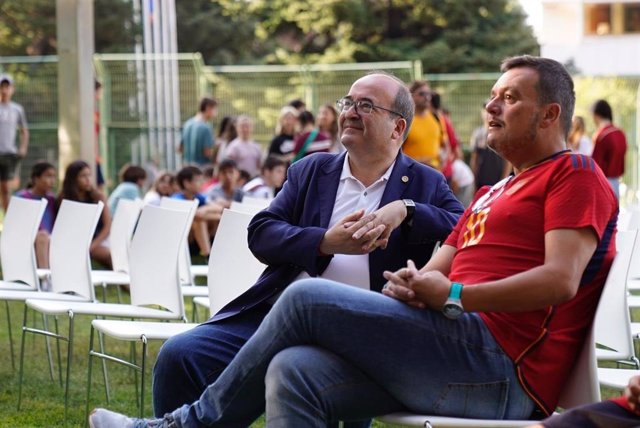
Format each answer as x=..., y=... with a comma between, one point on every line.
x=328, y=352
x=191, y=361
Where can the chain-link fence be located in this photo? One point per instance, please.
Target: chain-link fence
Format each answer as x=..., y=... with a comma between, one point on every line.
x=128, y=134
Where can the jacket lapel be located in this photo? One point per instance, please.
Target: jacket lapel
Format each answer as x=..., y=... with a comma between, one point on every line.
x=328, y=181
x=401, y=177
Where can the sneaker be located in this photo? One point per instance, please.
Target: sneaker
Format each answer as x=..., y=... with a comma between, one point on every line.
x=103, y=418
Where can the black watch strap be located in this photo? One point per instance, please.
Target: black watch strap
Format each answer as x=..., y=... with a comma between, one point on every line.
x=411, y=209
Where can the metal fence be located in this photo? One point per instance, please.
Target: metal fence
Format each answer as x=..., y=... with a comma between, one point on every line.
x=260, y=91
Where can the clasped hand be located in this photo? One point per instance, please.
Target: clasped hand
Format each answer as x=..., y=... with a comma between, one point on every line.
x=358, y=233
x=419, y=289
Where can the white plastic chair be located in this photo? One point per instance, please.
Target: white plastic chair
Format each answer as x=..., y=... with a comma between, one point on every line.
x=17, y=251
x=258, y=202
x=247, y=208
x=69, y=252
x=154, y=281
x=122, y=227
x=613, y=323
x=233, y=268
x=187, y=271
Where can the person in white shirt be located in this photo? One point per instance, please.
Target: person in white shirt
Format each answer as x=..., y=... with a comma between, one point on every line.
x=271, y=178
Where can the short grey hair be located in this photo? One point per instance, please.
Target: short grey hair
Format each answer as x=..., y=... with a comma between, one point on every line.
x=403, y=101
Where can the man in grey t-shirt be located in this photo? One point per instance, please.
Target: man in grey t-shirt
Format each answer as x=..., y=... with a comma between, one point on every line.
x=12, y=119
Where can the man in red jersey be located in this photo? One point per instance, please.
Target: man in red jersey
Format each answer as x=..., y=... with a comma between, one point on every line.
x=488, y=328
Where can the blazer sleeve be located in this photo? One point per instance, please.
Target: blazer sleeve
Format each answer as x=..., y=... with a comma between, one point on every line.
x=287, y=232
x=434, y=219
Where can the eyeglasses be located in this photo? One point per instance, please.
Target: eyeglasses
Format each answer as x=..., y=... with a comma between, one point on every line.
x=361, y=106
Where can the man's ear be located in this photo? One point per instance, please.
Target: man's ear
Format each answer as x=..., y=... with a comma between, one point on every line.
x=398, y=130
x=551, y=114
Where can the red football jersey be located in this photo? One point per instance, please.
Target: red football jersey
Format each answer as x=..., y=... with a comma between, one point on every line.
x=502, y=234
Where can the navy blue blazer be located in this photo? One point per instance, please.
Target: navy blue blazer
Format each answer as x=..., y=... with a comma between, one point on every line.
x=286, y=236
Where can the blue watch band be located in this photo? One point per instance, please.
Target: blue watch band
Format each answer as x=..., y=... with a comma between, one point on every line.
x=456, y=290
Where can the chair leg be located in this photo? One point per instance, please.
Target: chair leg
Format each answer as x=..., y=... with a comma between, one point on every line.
x=132, y=355
x=24, y=322
x=86, y=407
x=105, y=374
x=55, y=321
x=104, y=292
x=119, y=293
x=143, y=368
x=194, y=311
x=45, y=325
x=13, y=363
x=69, y=361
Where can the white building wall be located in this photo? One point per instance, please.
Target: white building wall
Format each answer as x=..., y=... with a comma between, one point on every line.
x=562, y=38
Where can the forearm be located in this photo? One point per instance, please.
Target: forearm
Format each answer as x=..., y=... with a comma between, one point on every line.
x=530, y=290
x=24, y=139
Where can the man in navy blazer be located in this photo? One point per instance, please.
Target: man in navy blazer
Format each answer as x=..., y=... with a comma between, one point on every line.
x=371, y=208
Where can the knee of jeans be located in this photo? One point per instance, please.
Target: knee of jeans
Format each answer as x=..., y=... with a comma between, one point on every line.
x=284, y=374
x=172, y=355
x=483, y=400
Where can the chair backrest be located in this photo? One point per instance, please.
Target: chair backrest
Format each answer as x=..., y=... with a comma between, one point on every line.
x=259, y=202
x=155, y=249
x=17, y=252
x=630, y=219
x=245, y=208
x=633, y=223
x=582, y=386
x=122, y=227
x=233, y=268
x=185, y=257
x=69, y=248
x=612, y=322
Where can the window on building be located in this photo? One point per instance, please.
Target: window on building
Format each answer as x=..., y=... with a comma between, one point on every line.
x=631, y=17
x=602, y=19
x=597, y=19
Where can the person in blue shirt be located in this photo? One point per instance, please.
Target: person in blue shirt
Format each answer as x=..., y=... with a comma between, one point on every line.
x=190, y=179
x=133, y=178
x=197, y=140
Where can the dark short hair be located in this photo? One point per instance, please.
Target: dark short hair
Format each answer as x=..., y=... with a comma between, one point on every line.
x=297, y=104
x=306, y=117
x=417, y=84
x=554, y=84
x=435, y=100
x=272, y=162
x=188, y=173
x=133, y=173
x=207, y=102
x=603, y=109
x=227, y=164
x=39, y=168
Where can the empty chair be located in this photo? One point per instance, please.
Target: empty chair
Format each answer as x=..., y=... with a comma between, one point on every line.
x=122, y=227
x=17, y=252
x=69, y=253
x=187, y=270
x=613, y=323
x=154, y=280
x=233, y=268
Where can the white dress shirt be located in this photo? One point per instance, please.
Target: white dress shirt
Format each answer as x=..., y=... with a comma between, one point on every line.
x=352, y=195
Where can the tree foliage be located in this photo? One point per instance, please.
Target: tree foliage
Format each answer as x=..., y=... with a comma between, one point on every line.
x=446, y=35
